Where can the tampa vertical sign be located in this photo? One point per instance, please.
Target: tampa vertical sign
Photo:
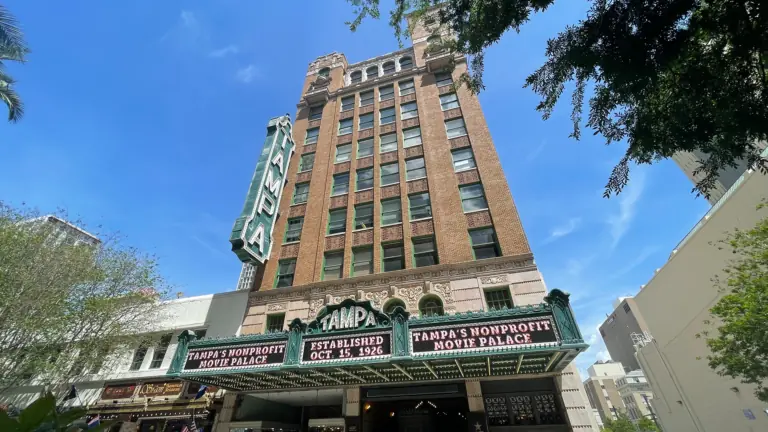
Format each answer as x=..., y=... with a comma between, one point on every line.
x=252, y=234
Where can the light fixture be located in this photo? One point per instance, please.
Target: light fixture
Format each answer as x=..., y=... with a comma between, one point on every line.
x=367, y=406
x=391, y=413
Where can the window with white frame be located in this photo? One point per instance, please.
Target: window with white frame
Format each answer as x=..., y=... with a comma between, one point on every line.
x=388, y=68
x=355, y=77
x=362, y=261
x=345, y=126
x=409, y=110
x=412, y=137
x=348, y=103
x=406, y=87
x=473, y=197
x=340, y=184
x=390, y=174
x=366, y=121
x=372, y=72
x=455, y=128
x=343, y=153
x=364, y=148
x=463, y=159
x=420, y=206
x=415, y=169
x=364, y=179
x=387, y=143
x=391, y=212
x=387, y=116
x=312, y=135
x=406, y=63
x=386, y=92
x=366, y=98
x=449, y=101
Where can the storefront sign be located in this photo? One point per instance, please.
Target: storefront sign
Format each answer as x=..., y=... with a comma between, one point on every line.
x=339, y=348
x=246, y=355
x=483, y=336
x=252, y=234
x=121, y=391
x=168, y=388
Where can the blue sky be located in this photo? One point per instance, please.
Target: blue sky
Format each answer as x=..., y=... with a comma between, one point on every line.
x=147, y=117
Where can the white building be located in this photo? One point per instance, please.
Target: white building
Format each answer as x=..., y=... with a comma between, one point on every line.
x=636, y=394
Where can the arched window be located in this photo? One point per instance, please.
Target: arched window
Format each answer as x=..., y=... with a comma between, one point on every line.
x=324, y=72
x=356, y=77
x=372, y=72
x=430, y=306
x=406, y=63
x=389, y=68
x=392, y=304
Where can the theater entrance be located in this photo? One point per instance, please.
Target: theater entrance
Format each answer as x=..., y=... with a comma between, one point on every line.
x=414, y=409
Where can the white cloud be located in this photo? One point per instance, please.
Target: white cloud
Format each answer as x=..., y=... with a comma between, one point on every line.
x=188, y=33
x=247, y=74
x=564, y=230
x=223, y=52
x=628, y=199
x=188, y=19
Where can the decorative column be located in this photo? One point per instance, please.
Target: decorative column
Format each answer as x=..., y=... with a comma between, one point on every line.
x=564, y=318
x=351, y=409
x=399, y=318
x=476, y=416
x=180, y=355
x=296, y=330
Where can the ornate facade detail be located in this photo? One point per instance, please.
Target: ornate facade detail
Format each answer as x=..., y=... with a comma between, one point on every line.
x=494, y=280
x=462, y=141
x=338, y=202
x=331, y=60
x=414, y=151
x=388, y=157
x=479, y=219
x=274, y=307
x=297, y=210
x=392, y=233
x=444, y=291
x=452, y=113
x=334, y=242
x=419, y=185
x=411, y=295
x=379, y=62
x=466, y=177
x=341, y=298
x=410, y=123
x=390, y=191
x=377, y=298
x=362, y=237
x=422, y=228
x=289, y=251
x=364, y=196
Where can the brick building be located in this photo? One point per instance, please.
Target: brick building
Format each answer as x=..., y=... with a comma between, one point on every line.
x=395, y=227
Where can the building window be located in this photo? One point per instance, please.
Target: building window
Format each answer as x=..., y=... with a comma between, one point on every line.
x=138, y=357
x=626, y=307
x=343, y=153
x=455, y=128
x=372, y=72
x=449, y=101
x=160, y=350
x=340, y=184
x=333, y=265
x=366, y=121
x=412, y=137
x=363, y=216
x=443, y=78
x=355, y=77
x=472, y=197
x=301, y=193
x=406, y=63
x=362, y=261
x=316, y=112
x=348, y=103
x=463, y=159
x=307, y=162
x=337, y=221
x=409, y=110
x=345, y=126
x=498, y=299
x=390, y=306
x=430, y=306
x=387, y=92
x=387, y=143
x=415, y=169
x=324, y=72
x=424, y=252
x=312, y=135
x=406, y=87
x=364, y=179
x=484, y=243
x=365, y=148
x=285, y=270
x=419, y=206
x=275, y=323
x=392, y=257
x=293, y=229
x=366, y=98
x=387, y=116
x=388, y=68
x=390, y=174
x=391, y=212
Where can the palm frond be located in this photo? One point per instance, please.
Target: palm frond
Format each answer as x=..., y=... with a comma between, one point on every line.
x=11, y=36
x=11, y=99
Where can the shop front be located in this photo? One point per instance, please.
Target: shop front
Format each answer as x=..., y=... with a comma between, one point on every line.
x=356, y=368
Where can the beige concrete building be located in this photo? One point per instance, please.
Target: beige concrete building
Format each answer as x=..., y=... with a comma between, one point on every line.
x=636, y=394
x=618, y=329
x=602, y=390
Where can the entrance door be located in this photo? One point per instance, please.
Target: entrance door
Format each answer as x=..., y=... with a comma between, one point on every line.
x=418, y=415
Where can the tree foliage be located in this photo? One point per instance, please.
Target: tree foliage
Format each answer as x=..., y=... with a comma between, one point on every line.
x=64, y=307
x=664, y=75
x=43, y=416
x=620, y=424
x=13, y=48
x=740, y=345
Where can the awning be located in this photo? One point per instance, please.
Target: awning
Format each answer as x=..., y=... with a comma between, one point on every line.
x=175, y=409
x=353, y=343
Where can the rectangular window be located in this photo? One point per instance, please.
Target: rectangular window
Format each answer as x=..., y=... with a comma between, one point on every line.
x=316, y=112
x=337, y=221
x=333, y=265
x=484, y=243
x=386, y=93
x=455, y=128
x=285, y=270
x=472, y=197
x=301, y=193
x=409, y=110
x=392, y=257
x=390, y=174
x=312, y=135
x=388, y=143
x=160, y=349
x=365, y=148
x=340, y=184
x=293, y=229
x=406, y=87
x=387, y=116
x=415, y=169
x=363, y=216
x=424, y=252
x=138, y=357
x=449, y=101
x=420, y=206
x=362, y=261
x=366, y=98
x=498, y=299
x=275, y=323
x=348, y=103
x=345, y=126
x=307, y=162
x=364, y=179
x=343, y=153
x=626, y=307
x=463, y=159
x=366, y=121
x=443, y=78
x=411, y=137
x=391, y=212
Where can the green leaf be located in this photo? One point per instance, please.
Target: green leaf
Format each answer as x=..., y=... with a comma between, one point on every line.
x=7, y=423
x=36, y=413
x=68, y=417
